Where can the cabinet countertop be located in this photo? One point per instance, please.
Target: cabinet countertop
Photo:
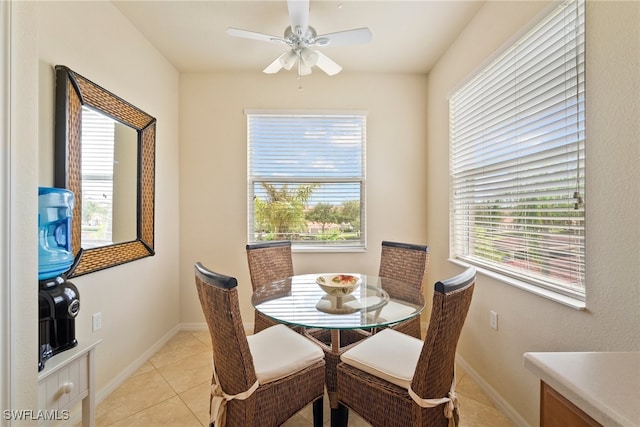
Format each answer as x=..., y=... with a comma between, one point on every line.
x=605, y=385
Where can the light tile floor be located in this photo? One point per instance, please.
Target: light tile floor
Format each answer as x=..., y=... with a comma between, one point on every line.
x=172, y=389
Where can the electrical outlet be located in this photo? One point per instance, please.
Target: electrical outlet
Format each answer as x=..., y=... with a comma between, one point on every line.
x=97, y=321
x=493, y=320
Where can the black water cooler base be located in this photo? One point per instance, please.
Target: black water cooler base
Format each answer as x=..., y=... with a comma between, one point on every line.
x=59, y=304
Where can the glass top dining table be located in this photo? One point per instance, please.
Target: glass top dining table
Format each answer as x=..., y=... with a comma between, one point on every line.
x=300, y=301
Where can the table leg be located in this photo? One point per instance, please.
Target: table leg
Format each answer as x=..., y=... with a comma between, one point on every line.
x=334, y=358
x=340, y=416
x=335, y=341
x=331, y=341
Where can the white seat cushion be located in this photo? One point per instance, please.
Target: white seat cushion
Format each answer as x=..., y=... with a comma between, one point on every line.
x=278, y=351
x=389, y=354
x=392, y=311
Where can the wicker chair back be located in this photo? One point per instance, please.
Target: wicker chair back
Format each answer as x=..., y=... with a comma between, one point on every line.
x=451, y=301
x=232, y=358
x=408, y=263
x=268, y=261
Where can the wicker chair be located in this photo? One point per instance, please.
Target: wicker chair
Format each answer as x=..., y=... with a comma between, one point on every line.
x=268, y=261
x=408, y=263
x=393, y=379
x=258, y=380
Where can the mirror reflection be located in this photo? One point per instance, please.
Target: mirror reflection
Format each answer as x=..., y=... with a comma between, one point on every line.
x=109, y=153
x=104, y=154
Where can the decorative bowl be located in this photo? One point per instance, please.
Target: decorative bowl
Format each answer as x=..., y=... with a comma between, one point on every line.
x=339, y=284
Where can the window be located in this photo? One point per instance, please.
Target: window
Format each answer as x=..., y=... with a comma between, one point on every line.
x=98, y=134
x=306, y=178
x=517, y=132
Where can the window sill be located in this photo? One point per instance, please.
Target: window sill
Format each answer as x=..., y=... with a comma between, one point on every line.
x=536, y=290
x=328, y=249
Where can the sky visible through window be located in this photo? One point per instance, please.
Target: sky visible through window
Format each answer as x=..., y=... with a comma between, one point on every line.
x=314, y=148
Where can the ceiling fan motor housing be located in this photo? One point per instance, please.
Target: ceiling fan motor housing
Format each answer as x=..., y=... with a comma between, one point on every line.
x=297, y=40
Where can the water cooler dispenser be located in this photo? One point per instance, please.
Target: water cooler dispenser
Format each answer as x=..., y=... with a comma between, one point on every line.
x=58, y=298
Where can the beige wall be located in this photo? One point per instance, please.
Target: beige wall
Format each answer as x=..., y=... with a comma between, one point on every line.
x=21, y=256
x=125, y=180
x=527, y=322
x=137, y=300
x=213, y=167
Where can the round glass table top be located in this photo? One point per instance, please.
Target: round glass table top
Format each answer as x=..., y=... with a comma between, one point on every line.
x=299, y=300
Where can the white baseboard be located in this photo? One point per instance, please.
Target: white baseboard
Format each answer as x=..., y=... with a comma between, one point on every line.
x=492, y=394
x=144, y=357
x=135, y=365
x=76, y=412
x=198, y=327
x=193, y=327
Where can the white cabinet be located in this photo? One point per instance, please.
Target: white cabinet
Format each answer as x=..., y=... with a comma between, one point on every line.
x=66, y=379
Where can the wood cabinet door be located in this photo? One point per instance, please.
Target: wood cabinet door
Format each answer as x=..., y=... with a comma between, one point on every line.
x=558, y=411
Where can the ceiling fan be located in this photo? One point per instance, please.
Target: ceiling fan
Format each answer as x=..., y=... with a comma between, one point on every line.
x=302, y=39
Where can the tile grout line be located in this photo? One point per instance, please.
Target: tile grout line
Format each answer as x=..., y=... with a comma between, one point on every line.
x=190, y=410
x=178, y=394
x=152, y=405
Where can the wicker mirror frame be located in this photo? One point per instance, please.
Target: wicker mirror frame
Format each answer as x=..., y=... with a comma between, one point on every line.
x=72, y=92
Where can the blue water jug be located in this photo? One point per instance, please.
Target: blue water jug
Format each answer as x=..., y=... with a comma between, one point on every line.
x=55, y=255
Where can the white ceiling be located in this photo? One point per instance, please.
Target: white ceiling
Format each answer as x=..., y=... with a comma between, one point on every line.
x=408, y=36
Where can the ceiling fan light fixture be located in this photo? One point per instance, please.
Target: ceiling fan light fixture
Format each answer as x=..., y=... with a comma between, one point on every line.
x=303, y=69
x=288, y=60
x=309, y=57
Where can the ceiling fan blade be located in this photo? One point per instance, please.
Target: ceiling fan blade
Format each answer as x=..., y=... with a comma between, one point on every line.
x=326, y=64
x=299, y=16
x=356, y=36
x=236, y=32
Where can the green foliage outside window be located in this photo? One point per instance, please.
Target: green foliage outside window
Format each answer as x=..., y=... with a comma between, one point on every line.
x=284, y=213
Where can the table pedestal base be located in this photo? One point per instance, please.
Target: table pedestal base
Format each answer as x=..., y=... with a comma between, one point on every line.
x=334, y=342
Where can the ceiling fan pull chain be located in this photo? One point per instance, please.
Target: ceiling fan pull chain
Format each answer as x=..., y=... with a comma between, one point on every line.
x=299, y=74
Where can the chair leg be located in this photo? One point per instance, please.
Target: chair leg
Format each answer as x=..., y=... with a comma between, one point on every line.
x=340, y=416
x=318, y=413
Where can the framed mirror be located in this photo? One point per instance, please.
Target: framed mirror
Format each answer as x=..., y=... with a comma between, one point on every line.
x=104, y=154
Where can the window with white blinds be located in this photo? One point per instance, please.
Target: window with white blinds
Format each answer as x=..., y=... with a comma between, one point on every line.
x=98, y=135
x=306, y=178
x=517, y=133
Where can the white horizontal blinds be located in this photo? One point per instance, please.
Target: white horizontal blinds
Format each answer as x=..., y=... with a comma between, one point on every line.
x=517, y=158
x=97, y=178
x=306, y=177
x=322, y=146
